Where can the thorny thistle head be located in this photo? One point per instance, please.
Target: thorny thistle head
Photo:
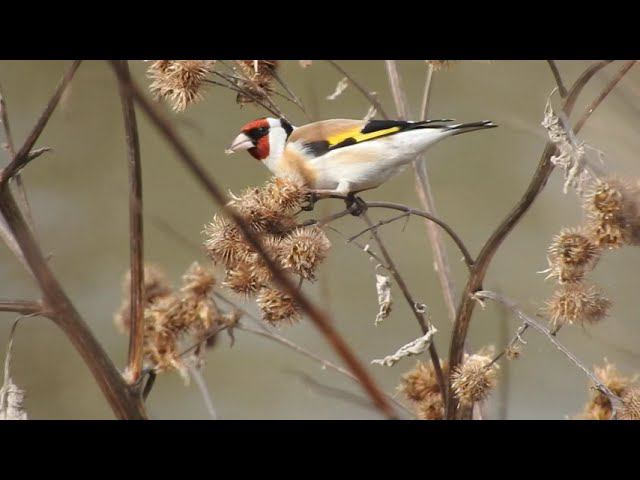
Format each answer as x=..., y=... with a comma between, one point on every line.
x=576, y=302
x=178, y=81
x=599, y=406
x=571, y=254
x=475, y=378
x=630, y=409
x=303, y=250
x=613, y=213
x=277, y=307
x=156, y=285
x=257, y=79
x=419, y=382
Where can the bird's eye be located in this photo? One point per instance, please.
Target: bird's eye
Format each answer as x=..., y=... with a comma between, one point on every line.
x=262, y=131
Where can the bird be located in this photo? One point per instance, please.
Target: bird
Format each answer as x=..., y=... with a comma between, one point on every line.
x=341, y=156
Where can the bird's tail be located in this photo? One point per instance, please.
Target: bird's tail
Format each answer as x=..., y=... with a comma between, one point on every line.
x=470, y=127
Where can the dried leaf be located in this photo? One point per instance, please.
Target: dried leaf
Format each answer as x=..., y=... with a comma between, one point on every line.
x=340, y=87
x=383, y=287
x=415, y=347
x=370, y=113
x=11, y=396
x=571, y=152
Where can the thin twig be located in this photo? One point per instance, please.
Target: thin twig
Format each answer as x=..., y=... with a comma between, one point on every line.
x=485, y=294
x=136, y=235
x=474, y=283
x=204, y=390
x=372, y=99
x=403, y=208
x=22, y=193
x=22, y=157
x=322, y=322
x=556, y=75
x=603, y=94
x=433, y=353
x=24, y=307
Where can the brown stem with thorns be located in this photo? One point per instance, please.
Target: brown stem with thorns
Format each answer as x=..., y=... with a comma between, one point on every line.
x=322, y=322
x=136, y=237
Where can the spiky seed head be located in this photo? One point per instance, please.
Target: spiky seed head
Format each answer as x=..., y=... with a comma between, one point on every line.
x=198, y=280
x=572, y=253
x=577, y=302
x=474, y=379
x=613, y=209
x=431, y=407
x=156, y=285
x=225, y=243
x=421, y=382
x=258, y=85
x=630, y=405
x=303, y=250
x=178, y=81
x=246, y=279
x=285, y=194
x=599, y=405
x=277, y=307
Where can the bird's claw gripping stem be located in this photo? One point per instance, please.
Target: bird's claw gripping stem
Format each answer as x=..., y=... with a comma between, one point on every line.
x=355, y=205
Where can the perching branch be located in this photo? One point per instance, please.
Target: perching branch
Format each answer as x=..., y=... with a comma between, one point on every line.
x=136, y=237
x=403, y=208
x=319, y=318
x=474, y=283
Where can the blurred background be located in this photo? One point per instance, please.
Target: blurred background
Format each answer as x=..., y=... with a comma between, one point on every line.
x=79, y=199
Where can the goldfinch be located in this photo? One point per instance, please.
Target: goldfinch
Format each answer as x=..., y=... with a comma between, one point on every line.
x=342, y=156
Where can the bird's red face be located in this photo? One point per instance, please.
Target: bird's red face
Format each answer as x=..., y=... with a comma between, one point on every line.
x=254, y=138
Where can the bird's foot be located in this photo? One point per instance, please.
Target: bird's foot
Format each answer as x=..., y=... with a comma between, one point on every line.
x=312, y=198
x=355, y=205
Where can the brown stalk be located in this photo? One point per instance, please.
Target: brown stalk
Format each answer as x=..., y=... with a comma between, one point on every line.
x=322, y=322
x=59, y=308
x=136, y=236
x=474, y=283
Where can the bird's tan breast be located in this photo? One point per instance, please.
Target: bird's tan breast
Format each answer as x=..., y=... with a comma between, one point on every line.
x=294, y=164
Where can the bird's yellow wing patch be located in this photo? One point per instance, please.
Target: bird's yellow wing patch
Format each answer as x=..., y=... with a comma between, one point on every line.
x=358, y=136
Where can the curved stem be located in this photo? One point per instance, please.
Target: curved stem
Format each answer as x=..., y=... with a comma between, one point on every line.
x=136, y=237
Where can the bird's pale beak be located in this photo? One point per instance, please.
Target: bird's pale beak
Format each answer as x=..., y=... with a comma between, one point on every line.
x=241, y=142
